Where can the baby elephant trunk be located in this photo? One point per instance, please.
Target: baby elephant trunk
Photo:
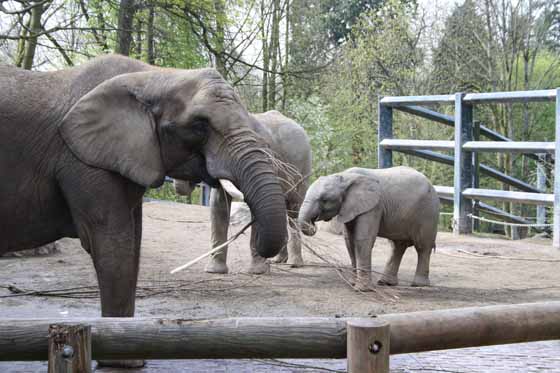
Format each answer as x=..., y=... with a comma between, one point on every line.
x=308, y=213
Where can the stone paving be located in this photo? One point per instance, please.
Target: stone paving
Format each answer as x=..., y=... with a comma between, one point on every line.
x=525, y=357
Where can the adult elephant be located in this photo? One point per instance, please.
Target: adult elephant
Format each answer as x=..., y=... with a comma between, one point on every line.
x=79, y=147
x=288, y=142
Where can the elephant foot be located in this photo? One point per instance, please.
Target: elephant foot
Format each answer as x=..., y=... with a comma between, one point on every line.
x=363, y=286
x=421, y=281
x=295, y=262
x=130, y=364
x=259, y=268
x=215, y=266
x=387, y=280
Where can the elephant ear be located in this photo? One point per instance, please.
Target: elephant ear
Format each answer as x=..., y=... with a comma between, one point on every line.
x=111, y=128
x=361, y=195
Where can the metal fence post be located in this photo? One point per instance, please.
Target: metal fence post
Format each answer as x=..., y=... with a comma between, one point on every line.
x=385, y=131
x=541, y=184
x=463, y=166
x=556, y=221
x=204, y=194
x=476, y=176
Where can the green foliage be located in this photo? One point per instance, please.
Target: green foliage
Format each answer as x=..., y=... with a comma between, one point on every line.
x=460, y=62
x=342, y=117
x=167, y=192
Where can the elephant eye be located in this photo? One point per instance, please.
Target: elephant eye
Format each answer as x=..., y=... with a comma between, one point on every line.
x=199, y=126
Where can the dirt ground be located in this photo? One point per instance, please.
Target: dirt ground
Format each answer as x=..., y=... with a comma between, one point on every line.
x=498, y=271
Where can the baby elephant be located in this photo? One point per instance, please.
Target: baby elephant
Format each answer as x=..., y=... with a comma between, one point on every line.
x=397, y=203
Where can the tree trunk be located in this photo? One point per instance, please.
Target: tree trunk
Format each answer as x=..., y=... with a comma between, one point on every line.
x=219, y=45
x=35, y=28
x=21, y=44
x=285, y=79
x=138, y=41
x=266, y=57
x=150, y=35
x=274, y=43
x=124, y=33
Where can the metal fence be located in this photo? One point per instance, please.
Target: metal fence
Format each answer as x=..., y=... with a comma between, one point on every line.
x=467, y=143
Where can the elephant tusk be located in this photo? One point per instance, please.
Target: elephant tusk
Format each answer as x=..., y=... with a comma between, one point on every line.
x=231, y=189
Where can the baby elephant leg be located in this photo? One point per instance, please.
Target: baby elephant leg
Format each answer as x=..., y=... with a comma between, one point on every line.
x=390, y=274
x=361, y=234
x=422, y=276
x=362, y=250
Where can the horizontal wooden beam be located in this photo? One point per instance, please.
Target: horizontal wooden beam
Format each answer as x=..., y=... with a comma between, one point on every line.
x=473, y=98
x=450, y=121
x=496, y=212
x=397, y=144
x=511, y=97
x=486, y=170
x=444, y=191
x=417, y=100
x=509, y=196
x=158, y=338
x=510, y=147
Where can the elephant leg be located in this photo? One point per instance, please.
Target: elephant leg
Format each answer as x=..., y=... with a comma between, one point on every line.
x=291, y=253
x=349, y=239
x=137, y=242
x=259, y=265
x=364, y=235
x=282, y=256
x=422, y=276
x=390, y=274
x=295, y=258
x=362, y=249
x=220, y=206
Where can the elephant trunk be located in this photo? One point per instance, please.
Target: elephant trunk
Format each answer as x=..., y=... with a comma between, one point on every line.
x=255, y=177
x=308, y=213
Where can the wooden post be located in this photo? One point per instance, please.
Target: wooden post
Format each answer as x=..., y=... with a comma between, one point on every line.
x=462, y=173
x=368, y=346
x=385, y=131
x=69, y=348
x=556, y=221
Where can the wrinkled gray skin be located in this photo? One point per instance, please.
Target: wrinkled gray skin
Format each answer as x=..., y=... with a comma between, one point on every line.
x=290, y=144
x=79, y=147
x=397, y=203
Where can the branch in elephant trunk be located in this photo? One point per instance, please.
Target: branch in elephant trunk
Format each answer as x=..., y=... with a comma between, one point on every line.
x=293, y=177
x=214, y=250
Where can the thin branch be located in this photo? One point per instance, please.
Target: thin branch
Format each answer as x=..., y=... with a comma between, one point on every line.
x=22, y=10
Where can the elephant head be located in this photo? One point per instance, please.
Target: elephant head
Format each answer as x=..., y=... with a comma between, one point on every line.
x=345, y=195
x=186, y=124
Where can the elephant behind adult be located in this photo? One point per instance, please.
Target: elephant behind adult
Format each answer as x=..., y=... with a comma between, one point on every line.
x=397, y=203
x=79, y=147
x=289, y=143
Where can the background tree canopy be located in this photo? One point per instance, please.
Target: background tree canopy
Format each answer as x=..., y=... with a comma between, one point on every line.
x=323, y=62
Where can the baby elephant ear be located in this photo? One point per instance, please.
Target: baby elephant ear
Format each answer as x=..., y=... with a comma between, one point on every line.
x=111, y=128
x=361, y=195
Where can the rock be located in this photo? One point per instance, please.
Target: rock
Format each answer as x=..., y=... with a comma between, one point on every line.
x=44, y=250
x=239, y=214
